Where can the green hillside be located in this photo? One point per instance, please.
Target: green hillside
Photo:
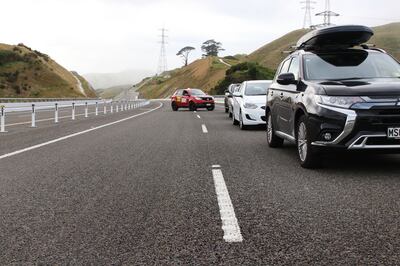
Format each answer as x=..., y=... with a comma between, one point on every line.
x=387, y=37
x=29, y=73
x=271, y=54
x=111, y=92
x=203, y=73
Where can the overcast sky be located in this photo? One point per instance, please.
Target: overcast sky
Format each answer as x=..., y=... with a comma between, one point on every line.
x=116, y=35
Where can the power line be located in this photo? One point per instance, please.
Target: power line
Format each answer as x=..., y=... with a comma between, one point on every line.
x=327, y=14
x=307, y=5
x=162, y=62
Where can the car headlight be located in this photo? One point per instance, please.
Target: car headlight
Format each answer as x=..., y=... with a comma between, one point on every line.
x=339, y=101
x=250, y=106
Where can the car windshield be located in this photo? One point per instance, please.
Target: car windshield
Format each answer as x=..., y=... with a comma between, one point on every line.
x=253, y=89
x=196, y=92
x=354, y=64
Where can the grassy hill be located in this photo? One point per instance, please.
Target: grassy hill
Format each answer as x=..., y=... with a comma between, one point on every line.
x=388, y=37
x=203, y=73
x=112, y=92
x=29, y=73
x=270, y=55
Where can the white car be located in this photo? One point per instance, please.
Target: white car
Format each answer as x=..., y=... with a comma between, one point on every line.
x=249, y=103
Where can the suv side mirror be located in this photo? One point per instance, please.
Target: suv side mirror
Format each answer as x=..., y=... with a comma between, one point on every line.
x=286, y=79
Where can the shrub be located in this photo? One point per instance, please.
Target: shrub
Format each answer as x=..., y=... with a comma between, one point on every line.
x=242, y=72
x=17, y=89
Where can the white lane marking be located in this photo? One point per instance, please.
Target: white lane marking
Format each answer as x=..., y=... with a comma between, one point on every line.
x=198, y=117
x=194, y=111
x=230, y=224
x=204, y=128
x=216, y=166
x=75, y=134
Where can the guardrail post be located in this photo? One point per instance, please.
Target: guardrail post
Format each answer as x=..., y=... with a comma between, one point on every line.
x=33, y=122
x=2, y=120
x=97, y=109
x=112, y=107
x=73, y=111
x=117, y=107
x=86, y=109
x=56, y=113
x=105, y=108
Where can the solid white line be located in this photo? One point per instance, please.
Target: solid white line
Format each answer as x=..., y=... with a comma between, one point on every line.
x=75, y=134
x=198, y=117
x=204, y=128
x=216, y=166
x=230, y=224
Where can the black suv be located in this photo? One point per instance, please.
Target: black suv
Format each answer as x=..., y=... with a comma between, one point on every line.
x=334, y=92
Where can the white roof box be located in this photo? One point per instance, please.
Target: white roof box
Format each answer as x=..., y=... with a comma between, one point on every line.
x=335, y=37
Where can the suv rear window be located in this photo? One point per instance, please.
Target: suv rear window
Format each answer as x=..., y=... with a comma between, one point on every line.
x=353, y=64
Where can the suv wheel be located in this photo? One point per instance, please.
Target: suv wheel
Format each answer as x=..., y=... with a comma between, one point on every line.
x=241, y=125
x=174, y=106
x=192, y=106
x=210, y=108
x=234, y=121
x=273, y=140
x=226, y=109
x=309, y=157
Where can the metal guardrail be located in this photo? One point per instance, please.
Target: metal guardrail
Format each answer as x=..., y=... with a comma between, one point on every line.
x=16, y=100
x=108, y=105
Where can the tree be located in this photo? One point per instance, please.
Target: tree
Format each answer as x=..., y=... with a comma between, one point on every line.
x=211, y=48
x=184, y=53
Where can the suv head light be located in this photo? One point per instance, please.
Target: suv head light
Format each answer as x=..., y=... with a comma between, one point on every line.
x=338, y=101
x=250, y=106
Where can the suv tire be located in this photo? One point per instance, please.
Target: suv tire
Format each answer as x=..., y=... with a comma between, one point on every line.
x=234, y=121
x=241, y=125
x=192, y=106
x=308, y=156
x=174, y=106
x=273, y=140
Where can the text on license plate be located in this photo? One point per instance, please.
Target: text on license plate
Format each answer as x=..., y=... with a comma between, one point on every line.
x=393, y=133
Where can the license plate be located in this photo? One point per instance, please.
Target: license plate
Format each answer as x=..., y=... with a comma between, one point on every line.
x=393, y=133
x=208, y=104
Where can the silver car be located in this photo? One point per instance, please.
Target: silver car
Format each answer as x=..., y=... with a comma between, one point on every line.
x=229, y=98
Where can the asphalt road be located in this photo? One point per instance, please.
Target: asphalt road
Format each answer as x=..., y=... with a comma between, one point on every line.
x=142, y=191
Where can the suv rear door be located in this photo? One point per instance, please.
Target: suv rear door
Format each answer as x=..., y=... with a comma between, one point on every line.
x=289, y=93
x=185, y=98
x=276, y=94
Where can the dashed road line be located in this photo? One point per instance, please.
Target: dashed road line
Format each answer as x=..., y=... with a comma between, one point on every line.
x=204, y=128
x=230, y=224
x=198, y=117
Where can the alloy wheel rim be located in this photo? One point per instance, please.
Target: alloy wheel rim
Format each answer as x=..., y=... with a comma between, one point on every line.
x=302, y=141
x=269, y=129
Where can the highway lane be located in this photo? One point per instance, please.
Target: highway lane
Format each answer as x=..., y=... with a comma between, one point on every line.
x=142, y=192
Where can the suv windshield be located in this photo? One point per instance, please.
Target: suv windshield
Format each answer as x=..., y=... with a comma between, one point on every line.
x=353, y=64
x=253, y=89
x=196, y=92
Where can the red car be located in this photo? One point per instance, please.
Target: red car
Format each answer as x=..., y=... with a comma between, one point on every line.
x=192, y=99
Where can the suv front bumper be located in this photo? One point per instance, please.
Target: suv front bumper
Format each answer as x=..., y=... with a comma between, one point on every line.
x=362, y=129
